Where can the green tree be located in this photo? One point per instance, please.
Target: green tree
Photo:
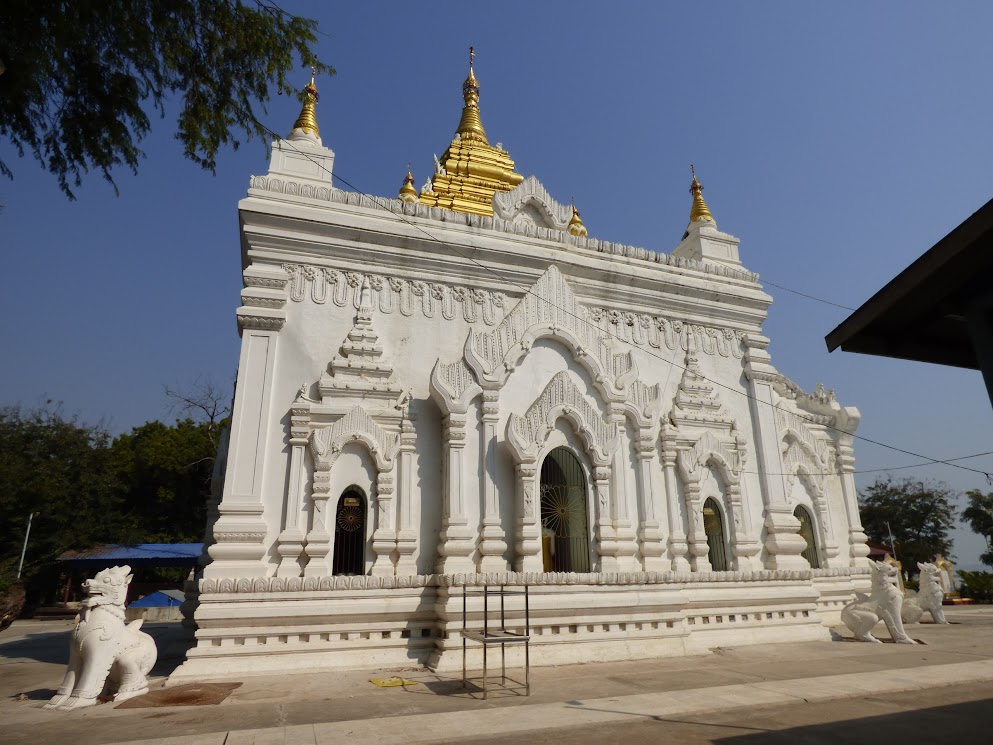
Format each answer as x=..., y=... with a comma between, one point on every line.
x=58, y=468
x=920, y=514
x=165, y=471
x=77, y=77
x=979, y=516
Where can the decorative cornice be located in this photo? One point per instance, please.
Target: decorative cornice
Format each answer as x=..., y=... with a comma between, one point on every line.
x=260, y=585
x=328, y=194
x=392, y=294
x=260, y=322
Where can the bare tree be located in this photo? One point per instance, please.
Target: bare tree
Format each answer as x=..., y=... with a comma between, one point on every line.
x=203, y=401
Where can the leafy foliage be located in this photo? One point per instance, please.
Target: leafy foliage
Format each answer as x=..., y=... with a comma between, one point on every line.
x=76, y=76
x=976, y=585
x=149, y=485
x=979, y=516
x=920, y=513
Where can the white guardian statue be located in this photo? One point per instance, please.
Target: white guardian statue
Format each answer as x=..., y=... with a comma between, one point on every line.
x=884, y=603
x=107, y=658
x=928, y=600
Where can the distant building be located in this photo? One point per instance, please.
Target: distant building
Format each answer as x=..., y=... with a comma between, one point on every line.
x=460, y=386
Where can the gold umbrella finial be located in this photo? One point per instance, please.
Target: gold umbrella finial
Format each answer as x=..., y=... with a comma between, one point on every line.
x=471, y=126
x=699, y=211
x=307, y=121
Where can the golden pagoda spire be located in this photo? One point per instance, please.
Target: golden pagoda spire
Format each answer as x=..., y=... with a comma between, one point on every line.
x=307, y=121
x=471, y=170
x=407, y=192
x=471, y=126
x=576, y=226
x=699, y=211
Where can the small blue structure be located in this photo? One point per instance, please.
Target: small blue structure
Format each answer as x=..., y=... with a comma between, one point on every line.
x=160, y=599
x=142, y=555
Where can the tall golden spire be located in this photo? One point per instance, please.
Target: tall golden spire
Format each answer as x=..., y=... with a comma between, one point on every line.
x=471, y=126
x=699, y=211
x=471, y=170
x=307, y=121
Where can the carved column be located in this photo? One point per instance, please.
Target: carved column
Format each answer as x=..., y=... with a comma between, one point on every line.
x=241, y=529
x=783, y=541
x=456, y=542
x=528, y=546
x=492, y=543
x=746, y=548
x=856, y=535
x=698, y=548
x=678, y=545
x=605, y=539
x=384, y=538
x=625, y=544
x=319, y=539
x=407, y=534
x=649, y=535
x=290, y=546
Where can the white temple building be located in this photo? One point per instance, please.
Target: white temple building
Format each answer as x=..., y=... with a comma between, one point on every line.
x=460, y=387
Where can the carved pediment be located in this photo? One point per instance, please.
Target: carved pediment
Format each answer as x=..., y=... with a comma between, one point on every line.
x=355, y=426
x=530, y=203
x=549, y=309
x=453, y=386
x=710, y=450
x=561, y=398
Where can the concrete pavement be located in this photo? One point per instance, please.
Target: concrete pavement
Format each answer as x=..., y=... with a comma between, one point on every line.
x=321, y=708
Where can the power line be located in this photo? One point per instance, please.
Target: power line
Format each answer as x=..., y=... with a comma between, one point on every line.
x=384, y=204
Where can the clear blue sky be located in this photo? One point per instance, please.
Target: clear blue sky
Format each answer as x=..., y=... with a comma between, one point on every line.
x=839, y=141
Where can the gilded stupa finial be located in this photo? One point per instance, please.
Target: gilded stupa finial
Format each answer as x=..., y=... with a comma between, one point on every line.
x=576, y=226
x=407, y=192
x=307, y=121
x=470, y=171
x=471, y=126
x=699, y=211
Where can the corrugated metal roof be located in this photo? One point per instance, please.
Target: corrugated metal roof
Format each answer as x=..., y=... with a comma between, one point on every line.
x=144, y=554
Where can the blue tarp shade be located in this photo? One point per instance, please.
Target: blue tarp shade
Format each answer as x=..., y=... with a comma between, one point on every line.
x=142, y=555
x=159, y=599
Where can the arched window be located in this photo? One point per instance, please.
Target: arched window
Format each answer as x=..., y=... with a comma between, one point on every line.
x=713, y=526
x=807, y=531
x=564, y=534
x=349, y=533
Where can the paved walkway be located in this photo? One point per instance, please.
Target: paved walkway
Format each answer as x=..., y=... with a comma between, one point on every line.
x=344, y=707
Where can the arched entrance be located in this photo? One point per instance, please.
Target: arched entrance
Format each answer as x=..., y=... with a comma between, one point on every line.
x=807, y=531
x=349, y=533
x=713, y=527
x=564, y=533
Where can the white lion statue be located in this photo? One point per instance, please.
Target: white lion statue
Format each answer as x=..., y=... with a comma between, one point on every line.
x=107, y=658
x=928, y=599
x=884, y=603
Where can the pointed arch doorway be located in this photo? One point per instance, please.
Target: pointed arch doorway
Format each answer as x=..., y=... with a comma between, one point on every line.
x=349, y=533
x=565, y=545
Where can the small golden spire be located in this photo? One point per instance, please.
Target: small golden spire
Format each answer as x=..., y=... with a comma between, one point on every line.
x=471, y=126
x=407, y=192
x=699, y=211
x=576, y=226
x=307, y=121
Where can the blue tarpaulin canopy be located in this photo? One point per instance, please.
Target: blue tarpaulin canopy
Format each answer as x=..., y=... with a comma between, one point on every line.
x=159, y=599
x=142, y=555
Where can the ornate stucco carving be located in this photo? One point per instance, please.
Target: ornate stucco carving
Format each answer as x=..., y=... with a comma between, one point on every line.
x=549, y=309
x=709, y=450
x=658, y=332
x=263, y=184
x=528, y=201
x=355, y=426
x=453, y=386
x=561, y=398
x=392, y=294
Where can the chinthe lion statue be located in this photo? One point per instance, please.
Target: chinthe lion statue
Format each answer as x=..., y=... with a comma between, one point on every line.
x=108, y=659
x=928, y=600
x=884, y=603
